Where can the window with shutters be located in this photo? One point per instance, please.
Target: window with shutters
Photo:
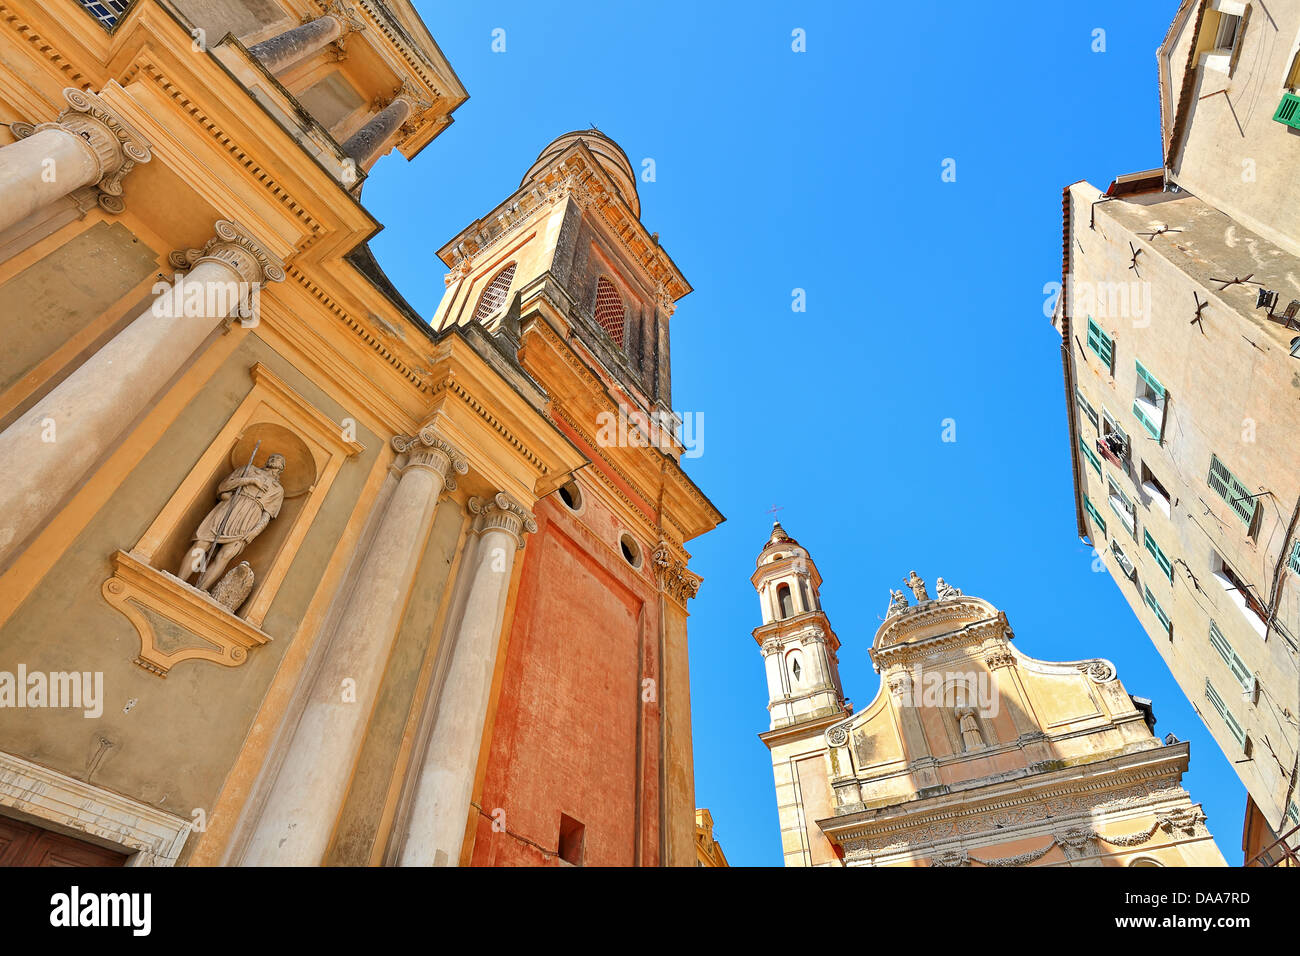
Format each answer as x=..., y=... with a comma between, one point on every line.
x=1149, y=405
x=1221, y=709
x=1240, y=593
x=1101, y=344
x=1089, y=507
x=1231, y=657
x=1165, y=564
x=1159, y=612
x=1091, y=456
x=1293, y=562
x=609, y=312
x=1123, y=560
x=1288, y=111
x=1089, y=412
x=1122, y=506
x=495, y=295
x=1225, y=484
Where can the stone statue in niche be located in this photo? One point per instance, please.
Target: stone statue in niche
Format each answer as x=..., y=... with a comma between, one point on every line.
x=918, y=588
x=971, y=737
x=247, y=501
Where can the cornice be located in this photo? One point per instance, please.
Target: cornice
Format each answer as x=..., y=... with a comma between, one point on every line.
x=313, y=227
x=1081, y=780
x=42, y=47
x=574, y=174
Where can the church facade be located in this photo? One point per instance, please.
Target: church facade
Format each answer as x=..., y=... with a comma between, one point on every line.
x=290, y=574
x=971, y=753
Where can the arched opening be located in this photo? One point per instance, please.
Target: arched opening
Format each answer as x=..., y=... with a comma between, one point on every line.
x=495, y=295
x=609, y=311
x=784, y=601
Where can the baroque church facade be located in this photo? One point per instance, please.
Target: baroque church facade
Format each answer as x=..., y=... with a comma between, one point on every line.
x=971, y=753
x=321, y=565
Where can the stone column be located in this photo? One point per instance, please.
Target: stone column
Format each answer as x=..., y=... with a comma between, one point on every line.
x=90, y=144
x=445, y=782
x=293, y=46
x=53, y=446
x=365, y=144
x=295, y=823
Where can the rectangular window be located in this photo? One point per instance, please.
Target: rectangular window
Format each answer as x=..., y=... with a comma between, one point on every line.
x=1089, y=507
x=1155, y=490
x=1159, y=612
x=1149, y=405
x=1116, y=440
x=1101, y=344
x=1122, y=506
x=1123, y=560
x=1293, y=562
x=1221, y=709
x=1166, y=565
x=1225, y=484
x=1226, y=36
x=1231, y=657
x=1240, y=593
x=1089, y=454
x=1089, y=412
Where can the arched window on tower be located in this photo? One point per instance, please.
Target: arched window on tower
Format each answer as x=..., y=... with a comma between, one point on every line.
x=609, y=310
x=494, y=296
x=784, y=601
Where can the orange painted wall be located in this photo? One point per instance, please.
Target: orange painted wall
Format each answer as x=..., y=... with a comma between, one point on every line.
x=565, y=737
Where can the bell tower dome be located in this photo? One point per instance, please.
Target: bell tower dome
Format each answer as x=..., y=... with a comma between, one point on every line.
x=799, y=647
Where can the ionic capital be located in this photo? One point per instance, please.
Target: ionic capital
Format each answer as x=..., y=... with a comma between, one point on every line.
x=502, y=513
x=234, y=247
x=425, y=449
x=114, y=144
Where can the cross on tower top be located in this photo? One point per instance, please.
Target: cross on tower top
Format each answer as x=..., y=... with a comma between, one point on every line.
x=773, y=510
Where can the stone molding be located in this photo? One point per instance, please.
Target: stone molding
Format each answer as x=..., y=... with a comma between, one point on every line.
x=425, y=449
x=154, y=836
x=236, y=248
x=502, y=513
x=116, y=146
x=142, y=594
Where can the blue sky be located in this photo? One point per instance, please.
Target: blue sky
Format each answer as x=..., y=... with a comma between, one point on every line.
x=821, y=170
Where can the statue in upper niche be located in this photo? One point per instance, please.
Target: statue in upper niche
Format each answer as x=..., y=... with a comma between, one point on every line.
x=918, y=588
x=247, y=501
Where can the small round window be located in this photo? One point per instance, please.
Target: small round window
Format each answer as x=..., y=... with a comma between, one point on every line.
x=571, y=495
x=631, y=550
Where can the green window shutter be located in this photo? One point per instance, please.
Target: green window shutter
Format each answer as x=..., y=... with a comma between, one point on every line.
x=1089, y=412
x=1288, y=111
x=1148, y=426
x=1230, y=657
x=1101, y=344
x=1165, y=564
x=1221, y=708
x=1225, y=484
x=1091, y=456
x=1293, y=562
x=1089, y=507
x=1151, y=380
x=1159, y=612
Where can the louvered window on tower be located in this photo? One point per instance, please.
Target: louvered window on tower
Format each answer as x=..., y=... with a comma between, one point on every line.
x=609, y=310
x=494, y=296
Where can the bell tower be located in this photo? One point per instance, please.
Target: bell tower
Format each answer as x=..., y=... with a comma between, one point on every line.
x=799, y=647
